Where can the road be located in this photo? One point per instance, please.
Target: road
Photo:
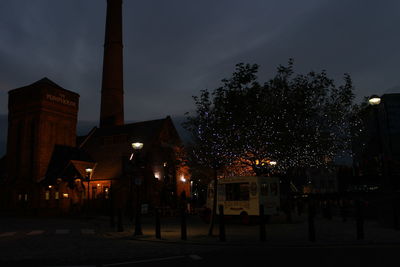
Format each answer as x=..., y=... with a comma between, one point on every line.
x=382, y=255
x=72, y=242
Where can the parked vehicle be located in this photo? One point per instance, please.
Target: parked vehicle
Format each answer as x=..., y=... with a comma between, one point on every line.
x=243, y=195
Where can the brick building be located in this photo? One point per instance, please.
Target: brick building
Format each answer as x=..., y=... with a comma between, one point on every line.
x=48, y=168
x=40, y=116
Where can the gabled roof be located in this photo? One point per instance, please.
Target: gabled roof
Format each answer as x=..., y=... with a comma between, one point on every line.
x=109, y=150
x=46, y=81
x=42, y=83
x=142, y=131
x=62, y=158
x=145, y=131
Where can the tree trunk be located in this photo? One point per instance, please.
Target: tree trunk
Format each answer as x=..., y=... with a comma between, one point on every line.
x=214, y=204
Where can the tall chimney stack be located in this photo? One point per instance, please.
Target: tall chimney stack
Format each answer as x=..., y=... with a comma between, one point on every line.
x=112, y=89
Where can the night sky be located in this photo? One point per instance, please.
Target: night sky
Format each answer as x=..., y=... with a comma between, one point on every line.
x=174, y=48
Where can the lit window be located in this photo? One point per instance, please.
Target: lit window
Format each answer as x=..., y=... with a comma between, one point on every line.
x=26, y=197
x=19, y=197
x=65, y=195
x=57, y=195
x=47, y=195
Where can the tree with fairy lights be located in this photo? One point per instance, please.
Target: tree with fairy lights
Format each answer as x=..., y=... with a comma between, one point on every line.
x=290, y=122
x=311, y=117
x=210, y=147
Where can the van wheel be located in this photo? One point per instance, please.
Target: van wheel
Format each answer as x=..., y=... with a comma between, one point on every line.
x=244, y=218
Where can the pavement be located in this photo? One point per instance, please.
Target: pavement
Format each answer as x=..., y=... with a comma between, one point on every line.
x=91, y=241
x=278, y=232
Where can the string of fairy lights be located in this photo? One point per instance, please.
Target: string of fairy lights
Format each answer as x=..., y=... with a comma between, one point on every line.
x=291, y=120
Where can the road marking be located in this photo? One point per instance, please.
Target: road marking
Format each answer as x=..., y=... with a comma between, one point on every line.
x=195, y=257
x=87, y=231
x=35, y=232
x=145, y=261
x=62, y=231
x=7, y=234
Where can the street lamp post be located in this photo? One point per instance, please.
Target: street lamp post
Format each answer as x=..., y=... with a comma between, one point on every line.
x=135, y=157
x=88, y=176
x=387, y=183
x=374, y=101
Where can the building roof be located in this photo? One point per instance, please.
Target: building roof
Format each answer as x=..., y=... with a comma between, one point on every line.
x=145, y=131
x=110, y=146
x=42, y=83
x=65, y=157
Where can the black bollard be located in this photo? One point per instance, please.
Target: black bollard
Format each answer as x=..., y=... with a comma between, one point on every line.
x=138, y=222
x=120, y=227
x=329, y=209
x=158, y=224
x=311, y=225
x=111, y=210
x=396, y=214
x=343, y=210
x=112, y=221
x=262, y=224
x=222, y=236
x=299, y=207
x=183, y=224
x=359, y=220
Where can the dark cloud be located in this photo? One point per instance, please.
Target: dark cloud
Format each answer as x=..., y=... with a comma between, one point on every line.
x=175, y=48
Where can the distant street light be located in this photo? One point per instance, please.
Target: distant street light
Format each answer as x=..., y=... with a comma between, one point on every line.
x=137, y=146
x=374, y=100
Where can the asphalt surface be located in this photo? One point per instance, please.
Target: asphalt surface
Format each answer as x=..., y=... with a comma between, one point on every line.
x=91, y=242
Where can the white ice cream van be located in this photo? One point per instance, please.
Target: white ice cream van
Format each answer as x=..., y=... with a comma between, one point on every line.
x=243, y=195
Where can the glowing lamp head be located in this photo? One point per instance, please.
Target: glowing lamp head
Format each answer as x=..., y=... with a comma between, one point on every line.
x=89, y=173
x=272, y=163
x=183, y=179
x=137, y=146
x=374, y=100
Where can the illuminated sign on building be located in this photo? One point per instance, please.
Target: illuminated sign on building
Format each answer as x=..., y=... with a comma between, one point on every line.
x=60, y=99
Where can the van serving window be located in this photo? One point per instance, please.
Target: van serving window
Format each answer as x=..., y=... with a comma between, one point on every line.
x=237, y=191
x=264, y=189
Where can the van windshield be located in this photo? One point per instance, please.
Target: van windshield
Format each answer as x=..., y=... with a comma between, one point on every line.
x=237, y=191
